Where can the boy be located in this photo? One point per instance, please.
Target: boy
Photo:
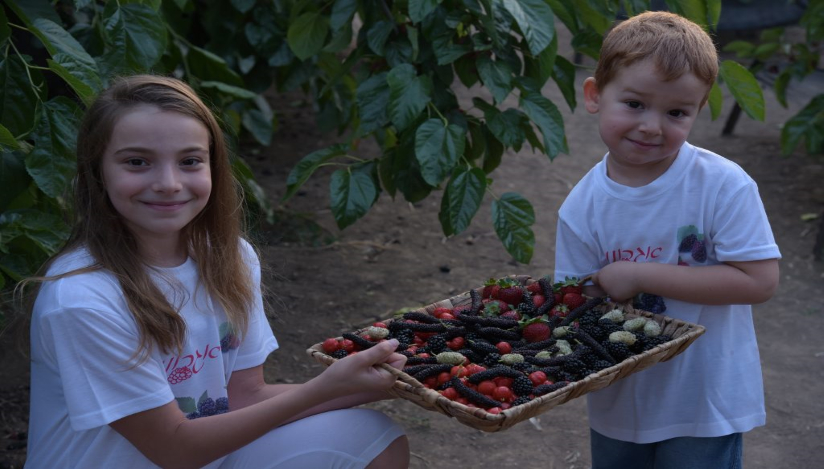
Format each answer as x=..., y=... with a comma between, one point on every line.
x=660, y=216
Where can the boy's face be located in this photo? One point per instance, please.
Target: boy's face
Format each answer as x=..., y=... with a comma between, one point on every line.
x=643, y=119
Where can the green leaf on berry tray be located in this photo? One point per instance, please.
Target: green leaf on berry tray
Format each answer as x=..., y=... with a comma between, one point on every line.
x=353, y=191
x=513, y=216
x=187, y=405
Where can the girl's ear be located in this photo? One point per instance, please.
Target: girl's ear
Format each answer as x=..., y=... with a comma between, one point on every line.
x=591, y=95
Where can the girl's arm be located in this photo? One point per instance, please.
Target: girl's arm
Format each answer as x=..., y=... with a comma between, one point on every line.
x=166, y=437
x=729, y=283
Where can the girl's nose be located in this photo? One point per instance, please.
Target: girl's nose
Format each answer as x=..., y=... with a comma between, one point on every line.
x=168, y=179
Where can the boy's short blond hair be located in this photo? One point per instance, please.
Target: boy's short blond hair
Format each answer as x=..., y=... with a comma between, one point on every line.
x=675, y=44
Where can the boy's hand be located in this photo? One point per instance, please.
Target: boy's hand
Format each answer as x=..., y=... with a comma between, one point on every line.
x=619, y=280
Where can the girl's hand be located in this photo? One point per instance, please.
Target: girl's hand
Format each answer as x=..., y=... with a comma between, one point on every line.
x=358, y=372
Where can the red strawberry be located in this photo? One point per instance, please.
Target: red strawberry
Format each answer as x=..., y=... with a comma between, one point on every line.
x=559, y=310
x=534, y=288
x=491, y=288
x=536, y=330
x=571, y=285
x=460, y=309
x=437, y=312
x=538, y=300
x=511, y=314
x=573, y=300
x=510, y=292
x=494, y=307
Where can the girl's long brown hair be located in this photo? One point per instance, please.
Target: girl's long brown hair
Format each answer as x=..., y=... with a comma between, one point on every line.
x=213, y=236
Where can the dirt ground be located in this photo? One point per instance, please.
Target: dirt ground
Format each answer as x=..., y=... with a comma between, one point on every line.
x=397, y=257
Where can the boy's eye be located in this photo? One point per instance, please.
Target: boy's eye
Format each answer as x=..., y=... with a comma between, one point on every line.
x=677, y=113
x=633, y=104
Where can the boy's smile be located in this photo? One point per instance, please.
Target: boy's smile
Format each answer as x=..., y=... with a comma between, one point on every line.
x=157, y=175
x=644, y=119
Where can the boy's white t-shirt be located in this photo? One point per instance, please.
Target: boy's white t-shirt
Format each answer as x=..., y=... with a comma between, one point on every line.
x=83, y=375
x=715, y=387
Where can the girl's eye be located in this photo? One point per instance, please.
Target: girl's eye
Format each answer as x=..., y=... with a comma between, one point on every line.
x=135, y=162
x=191, y=162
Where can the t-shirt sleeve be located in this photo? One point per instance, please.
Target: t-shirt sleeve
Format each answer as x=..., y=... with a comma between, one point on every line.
x=742, y=231
x=259, y=340
x=94, y=353
x=576, y=253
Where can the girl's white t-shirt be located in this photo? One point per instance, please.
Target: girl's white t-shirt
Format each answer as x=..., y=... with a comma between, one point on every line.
x=83, y=373
x=703, y=210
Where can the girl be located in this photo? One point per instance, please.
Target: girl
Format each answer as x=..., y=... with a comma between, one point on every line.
x=148, y=330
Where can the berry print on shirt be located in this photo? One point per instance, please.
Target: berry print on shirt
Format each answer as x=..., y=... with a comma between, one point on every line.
x=691, y=246
x=205, y=406
x=228, y=339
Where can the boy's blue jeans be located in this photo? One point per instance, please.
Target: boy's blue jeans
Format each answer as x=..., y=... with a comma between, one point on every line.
x=722, y=452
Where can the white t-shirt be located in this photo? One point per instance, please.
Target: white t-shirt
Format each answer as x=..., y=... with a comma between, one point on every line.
x=703, y=210
x=82, y=377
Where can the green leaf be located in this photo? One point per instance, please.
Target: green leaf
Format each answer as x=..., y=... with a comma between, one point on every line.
x=462, y=199
x=744, y=88
x=535, y=20
x=713, y=13
x=253, y=193
x=742, y=49
x=243, y=6
x=437, y=148
x=306, y=166
x=466, y=70
x=27, y=10
x=506, y=127
x=342, y=13
x=209, y=67
x=352, y=192
x=48, y=232
x=807, y=124
x=373, y=101
x=19, y=101
x=546, y=116
x=716, y=101
x=377, y=35
x=408, y=95
x=594, y=16
x=5, y=31
x=51, y=163
x=13, y=177
x=512, y=217
x=7, y=140
x=564, y=75
x=419, y=9
x=540, y=67
x=780, y=86
x=259, y=126
x=307, y=34
x=694, y=10
x=84, y=91
x=447, y=52
x=495, y=75
x=71, y=61
x=494, y=152
x=231, y=90
x=137, y=37
x=403, y=170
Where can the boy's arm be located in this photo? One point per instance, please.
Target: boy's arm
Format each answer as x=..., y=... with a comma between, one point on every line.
x=728, y=283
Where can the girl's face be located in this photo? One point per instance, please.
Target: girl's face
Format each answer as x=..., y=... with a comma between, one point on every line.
x=157, y=175
x=643, y=119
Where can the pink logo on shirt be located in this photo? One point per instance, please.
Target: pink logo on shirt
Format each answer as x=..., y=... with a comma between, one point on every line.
x=179, y=369
x=638, y=254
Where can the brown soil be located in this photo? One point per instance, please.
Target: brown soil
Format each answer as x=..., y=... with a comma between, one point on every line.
x=397, y=257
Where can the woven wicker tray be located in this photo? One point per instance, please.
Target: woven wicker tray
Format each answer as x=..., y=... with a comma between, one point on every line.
x=683, y=335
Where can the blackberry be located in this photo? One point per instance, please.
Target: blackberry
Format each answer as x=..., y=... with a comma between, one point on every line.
x=618, y=350
x=339, y=353
x=526, y=307
x=471, y=355
x=193, y=415
x=222, y=404
x=601, y=364
x=594, y=345
x=404, y=335
x=435, y=344
x=652, y=342
x=524, y=367
x=207, y=407
x=574, y=366
x=522, y=386
x=647, y=302
x=699, y=252
x=687, y=243
x=548, y=388
x=402, y=346
x=521, y=400
x=471, y=336
x=491, y=359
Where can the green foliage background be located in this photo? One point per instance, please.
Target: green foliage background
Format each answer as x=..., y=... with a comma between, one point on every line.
x=373, y=69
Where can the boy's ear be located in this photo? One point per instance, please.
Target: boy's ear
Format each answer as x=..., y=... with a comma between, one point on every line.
x=591, y=95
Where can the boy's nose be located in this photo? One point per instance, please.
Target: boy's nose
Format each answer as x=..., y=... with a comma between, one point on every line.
x=650, y=123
